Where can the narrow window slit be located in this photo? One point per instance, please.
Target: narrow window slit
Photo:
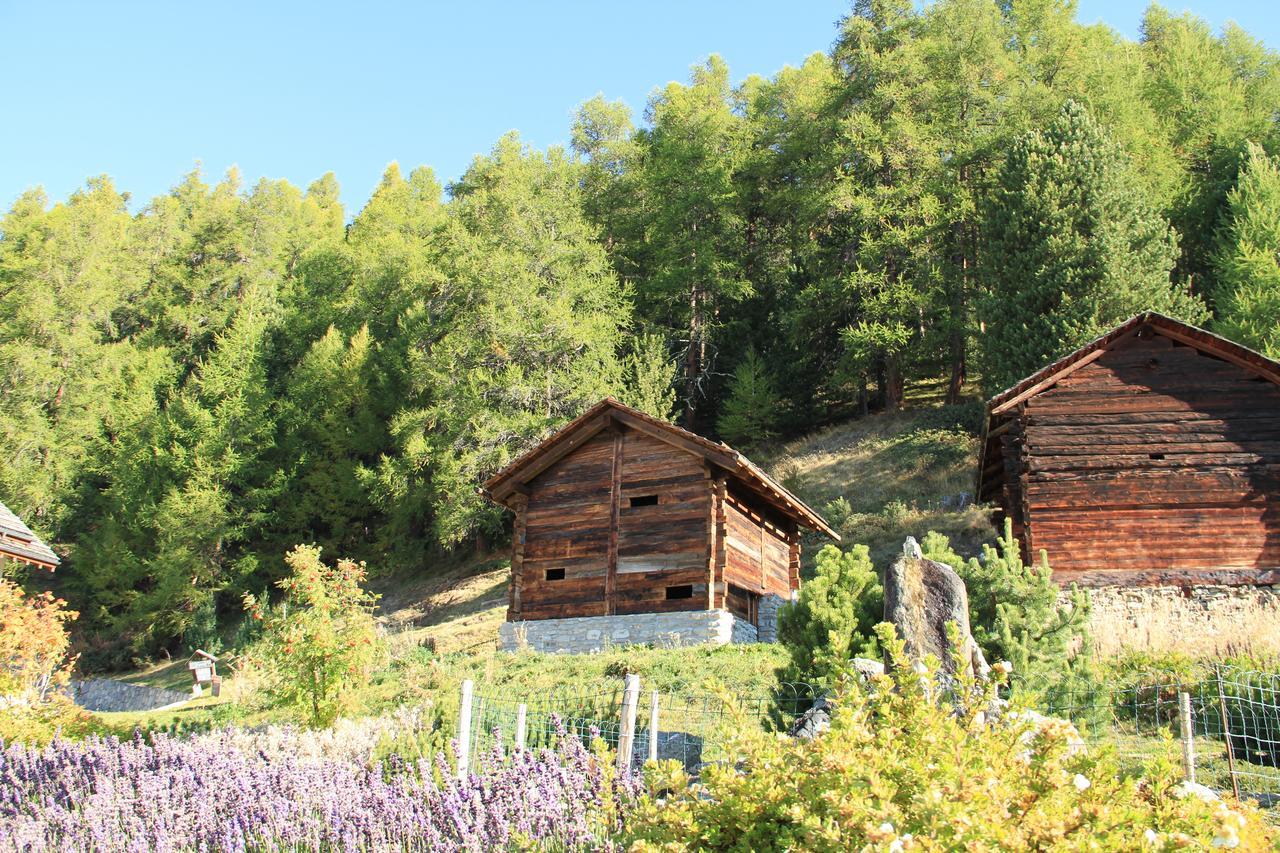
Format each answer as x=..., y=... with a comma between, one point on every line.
x=644, y=500
x=677, y=592
x=555, y=574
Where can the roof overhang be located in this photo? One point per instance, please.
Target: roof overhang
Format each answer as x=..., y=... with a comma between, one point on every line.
x=515, y=477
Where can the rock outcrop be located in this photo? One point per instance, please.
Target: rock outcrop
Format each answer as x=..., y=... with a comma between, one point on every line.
x=920, y=597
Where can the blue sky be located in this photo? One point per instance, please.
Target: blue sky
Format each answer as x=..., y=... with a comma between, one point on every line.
x=142, y=91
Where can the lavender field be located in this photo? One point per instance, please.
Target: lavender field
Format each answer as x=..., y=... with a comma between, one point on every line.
x=239, y=791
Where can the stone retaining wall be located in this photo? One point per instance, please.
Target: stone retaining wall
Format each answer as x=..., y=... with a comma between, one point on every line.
x=1197, y=620
x=104, y=694
x=593, y=633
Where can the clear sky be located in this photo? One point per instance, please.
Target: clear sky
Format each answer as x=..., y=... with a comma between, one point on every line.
x=142, y=91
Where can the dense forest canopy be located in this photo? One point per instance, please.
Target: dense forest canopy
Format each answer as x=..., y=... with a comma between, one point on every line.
x=190, y=390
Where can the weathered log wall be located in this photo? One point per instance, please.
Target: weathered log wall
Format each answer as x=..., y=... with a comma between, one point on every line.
x=1154, y=463
x=619, y=525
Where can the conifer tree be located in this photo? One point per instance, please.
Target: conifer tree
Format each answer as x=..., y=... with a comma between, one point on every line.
x=750, y=414
x=834, y=618
x=1246, y=290
x=1014, y=608
x=1070, y=249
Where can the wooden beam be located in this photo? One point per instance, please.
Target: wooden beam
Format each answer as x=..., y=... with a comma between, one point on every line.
x=1052, y=379
x=723, y=458
x=615, y=501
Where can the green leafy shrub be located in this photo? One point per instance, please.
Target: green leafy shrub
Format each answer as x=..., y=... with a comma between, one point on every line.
x=321, y=643
x=834, y=618
x=897, y=771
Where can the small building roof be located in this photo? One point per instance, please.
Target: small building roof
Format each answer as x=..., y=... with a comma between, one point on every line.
x=1045, y=378
x=1177, y=330
x=17, y=542
x=501, y=486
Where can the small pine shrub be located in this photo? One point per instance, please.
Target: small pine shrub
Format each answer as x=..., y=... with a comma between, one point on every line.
x=1015, y=612
x=834, y=618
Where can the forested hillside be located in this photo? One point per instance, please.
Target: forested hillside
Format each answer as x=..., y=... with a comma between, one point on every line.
x=956, y=193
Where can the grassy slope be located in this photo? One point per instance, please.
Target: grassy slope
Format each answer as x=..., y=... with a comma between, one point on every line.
x=893, y=470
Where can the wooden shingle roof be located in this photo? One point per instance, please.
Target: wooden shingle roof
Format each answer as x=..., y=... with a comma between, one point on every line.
x=572, y=435
x=17, y=542
x=1000, y=407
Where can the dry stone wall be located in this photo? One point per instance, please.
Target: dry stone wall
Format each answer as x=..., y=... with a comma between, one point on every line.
x=594, y=633
x=1196, y=620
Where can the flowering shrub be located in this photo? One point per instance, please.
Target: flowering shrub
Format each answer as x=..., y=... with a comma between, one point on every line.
x=211, y=793
x=899, y=770
x=35, y=668
x=321, y=642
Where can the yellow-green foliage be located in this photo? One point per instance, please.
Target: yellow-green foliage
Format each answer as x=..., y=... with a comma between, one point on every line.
x=320, y=645
x=900, y=771
x=834, y=617
x=39, y=722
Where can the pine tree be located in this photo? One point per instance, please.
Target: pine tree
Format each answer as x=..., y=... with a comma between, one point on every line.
x=750, y=414
x=1014, y=608
x=1246, y=290
x=834, y=618
x=1070, y=249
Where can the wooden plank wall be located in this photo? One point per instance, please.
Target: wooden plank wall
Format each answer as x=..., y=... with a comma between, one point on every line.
x=617, y=558
x=759, y=548
x=1152, y=461
x=665, y=544
x=566, y=526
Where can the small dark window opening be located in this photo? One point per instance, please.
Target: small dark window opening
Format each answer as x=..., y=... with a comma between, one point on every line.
x=1156, y=455
x=675, y=592
x=644, y=500
x=555, y=574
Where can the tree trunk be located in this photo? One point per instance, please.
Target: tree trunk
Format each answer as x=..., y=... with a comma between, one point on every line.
x=893, y=384
x=693, y=358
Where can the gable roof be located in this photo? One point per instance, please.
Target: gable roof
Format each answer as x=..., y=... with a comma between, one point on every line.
x=1167, y=326
x=501, y=486
x=17, y=542
x=1045, y=378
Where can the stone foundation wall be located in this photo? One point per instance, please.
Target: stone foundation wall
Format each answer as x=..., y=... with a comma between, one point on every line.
x=770, y=604
x=1197, y=620
x=593, y=633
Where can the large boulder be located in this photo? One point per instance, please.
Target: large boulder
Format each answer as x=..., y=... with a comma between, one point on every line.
x=920, y=597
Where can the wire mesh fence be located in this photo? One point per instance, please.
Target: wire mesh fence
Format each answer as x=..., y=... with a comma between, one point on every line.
x=690, y=720
x=1234, y=720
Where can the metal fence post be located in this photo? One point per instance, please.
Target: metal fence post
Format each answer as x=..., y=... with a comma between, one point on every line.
x=627, y=736
x=522, y=719
x=653, y=726
x=464, y=729
x=1226, y=732
x=1188, y=737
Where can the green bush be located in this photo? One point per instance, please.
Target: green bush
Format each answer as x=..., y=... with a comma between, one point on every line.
x=1015, y=613
x=834, y=617
x=898, y=772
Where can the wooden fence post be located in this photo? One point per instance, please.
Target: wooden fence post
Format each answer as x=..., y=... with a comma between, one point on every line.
x=1188, y=737
x=653, y=726
x=627, y=735
x=464, y=729
x=1226, y=732
x=522, y=715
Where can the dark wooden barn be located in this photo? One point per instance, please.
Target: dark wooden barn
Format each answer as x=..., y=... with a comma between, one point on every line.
x=1148, y=457
x=19, y=544
x=623, y=513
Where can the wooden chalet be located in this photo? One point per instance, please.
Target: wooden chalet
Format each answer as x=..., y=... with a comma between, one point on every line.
x=1151, y=456
x=19, y=544
x=621, y=513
